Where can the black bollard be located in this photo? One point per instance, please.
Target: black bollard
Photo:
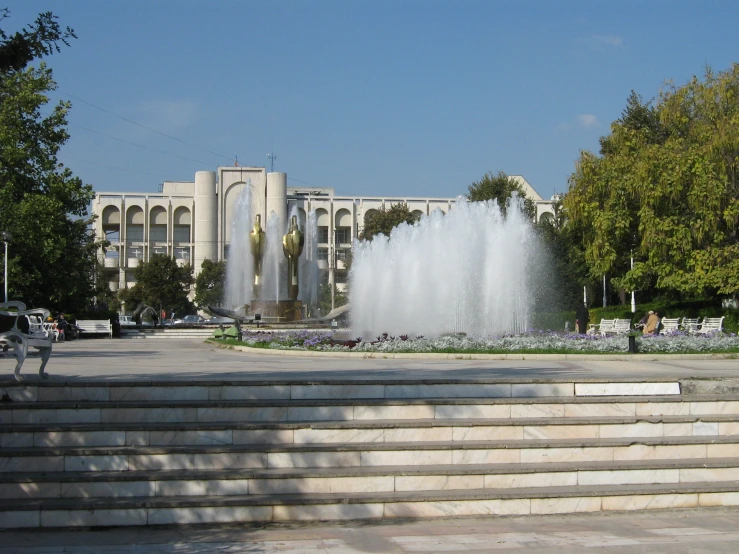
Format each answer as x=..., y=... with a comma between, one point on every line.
x=632, y=344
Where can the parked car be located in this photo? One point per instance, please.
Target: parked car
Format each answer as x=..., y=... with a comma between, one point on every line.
x=126, y=321
x=190, y=320
x=217, y=320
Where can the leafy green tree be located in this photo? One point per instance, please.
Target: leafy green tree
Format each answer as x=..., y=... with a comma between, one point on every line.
x=500, y=187
x=43, y=206
x=42, y=38
x=131, y=297
x=210, y=284
x=666, y=186
x=383, y=221
x=560, y=268
x=324, y=297
x=161, y=284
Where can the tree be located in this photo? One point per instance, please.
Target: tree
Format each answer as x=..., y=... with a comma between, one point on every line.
x=210, y=284
x=45, y=208
x=41, y=39
x=324, y=297
x=385, y=220
x=666, y=186
x=500, y=187
x=161, y=284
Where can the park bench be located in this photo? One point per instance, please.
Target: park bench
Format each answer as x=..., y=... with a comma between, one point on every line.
x=711, y=325
x=20, y=329
x=670, y=325
x=605, y=326
x=95, y=327
x=619, y=327
x=690, y=324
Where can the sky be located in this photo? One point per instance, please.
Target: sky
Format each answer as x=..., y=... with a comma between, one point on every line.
x=409, y=98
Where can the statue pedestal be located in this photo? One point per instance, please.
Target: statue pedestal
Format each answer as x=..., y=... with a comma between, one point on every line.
x=284, y=311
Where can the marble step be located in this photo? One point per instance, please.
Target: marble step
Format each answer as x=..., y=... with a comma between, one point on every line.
x=311, y=389
x=90, y=512
x=235, y=433
x=199, y=334
x=143, y=458
x=347, y=410
x=231, y=482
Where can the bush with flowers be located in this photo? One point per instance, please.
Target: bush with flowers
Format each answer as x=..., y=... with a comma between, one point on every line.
x=540, y=342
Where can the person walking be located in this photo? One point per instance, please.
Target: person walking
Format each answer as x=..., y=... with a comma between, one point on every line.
x=61, y=325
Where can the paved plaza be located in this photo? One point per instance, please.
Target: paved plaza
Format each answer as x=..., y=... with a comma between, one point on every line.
x=701, y=530
x=156, y=359
x=653, y=532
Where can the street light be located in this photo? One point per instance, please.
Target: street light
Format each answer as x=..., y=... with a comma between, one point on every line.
x=6, y=236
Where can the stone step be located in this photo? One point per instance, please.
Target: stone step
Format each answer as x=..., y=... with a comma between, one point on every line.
x=181, y=434
x=92, y=512
x=162, y=391
x=142, y=458
x=173, y=335
x=361, y=409
x=367, y=479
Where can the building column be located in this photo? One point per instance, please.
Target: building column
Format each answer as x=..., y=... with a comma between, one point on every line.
x=204, y=220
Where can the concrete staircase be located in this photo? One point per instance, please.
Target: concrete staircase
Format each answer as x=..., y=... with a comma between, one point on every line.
x=167, y=333
x=151, y=453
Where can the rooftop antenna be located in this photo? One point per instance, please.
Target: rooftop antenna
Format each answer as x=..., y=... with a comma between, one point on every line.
x=272, y=157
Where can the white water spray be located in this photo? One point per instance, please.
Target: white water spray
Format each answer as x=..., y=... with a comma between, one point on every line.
x=274, y=264
x=466, y=271
x=240, y=266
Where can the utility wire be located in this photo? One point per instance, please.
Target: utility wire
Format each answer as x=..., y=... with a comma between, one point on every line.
x=115, y=167
x=145, y=126
x=291, y=178
x=138, y=145
x=152, y=149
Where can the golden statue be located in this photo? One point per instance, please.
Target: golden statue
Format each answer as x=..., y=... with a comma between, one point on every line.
x=256, y=239
x=292, y=246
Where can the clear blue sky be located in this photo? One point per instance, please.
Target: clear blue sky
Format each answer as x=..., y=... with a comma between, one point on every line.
x=371, y=97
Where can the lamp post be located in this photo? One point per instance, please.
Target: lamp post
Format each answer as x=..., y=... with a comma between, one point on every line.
x=633, y=300
x=6, y=236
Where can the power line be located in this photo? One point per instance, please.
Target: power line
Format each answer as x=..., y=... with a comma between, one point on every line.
x=145, y=126
x=304, y=182
x=115, y=167
x=138, y=145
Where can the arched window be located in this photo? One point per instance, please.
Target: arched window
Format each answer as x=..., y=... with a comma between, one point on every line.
x=158, y=230
x=181, y=233
x=343, y=227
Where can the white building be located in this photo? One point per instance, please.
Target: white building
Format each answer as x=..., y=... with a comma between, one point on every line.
x=191, y=221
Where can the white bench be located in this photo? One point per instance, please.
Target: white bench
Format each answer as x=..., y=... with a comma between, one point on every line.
x=711, y=325
x=618, y=327
x=670, y=325
x=690, y=324
x=21, y=329
x=611, y=327
x=95, y=326
x=605, y=326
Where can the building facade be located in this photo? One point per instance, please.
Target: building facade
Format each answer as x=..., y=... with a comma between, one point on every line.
x=191, y=221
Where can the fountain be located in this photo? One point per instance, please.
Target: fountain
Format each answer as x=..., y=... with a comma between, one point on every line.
x=466, y=271
x=265, y=268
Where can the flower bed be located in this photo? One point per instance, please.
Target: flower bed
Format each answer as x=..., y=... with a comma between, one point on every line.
x=542, y=342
